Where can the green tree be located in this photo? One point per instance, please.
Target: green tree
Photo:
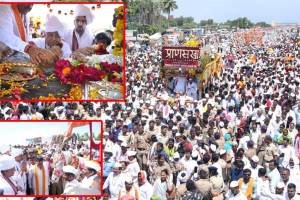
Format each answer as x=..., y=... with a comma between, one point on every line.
x=262, y=24
x=169, y=6
x=208, y=22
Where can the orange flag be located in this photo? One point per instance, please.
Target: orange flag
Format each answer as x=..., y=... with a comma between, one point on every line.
x=19, y=22
x=72, y=125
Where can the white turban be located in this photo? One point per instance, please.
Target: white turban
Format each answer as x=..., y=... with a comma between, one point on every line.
x=6, y=162
x=16, y=152
x=53, y=24
x=82, y=10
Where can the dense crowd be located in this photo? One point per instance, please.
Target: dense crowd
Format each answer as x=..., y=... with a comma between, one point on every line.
x=49, y=169
x=239, y=139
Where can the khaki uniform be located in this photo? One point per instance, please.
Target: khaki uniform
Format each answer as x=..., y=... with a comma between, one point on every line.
x=204, y=186
x=270, y=152
x=262, y=150
x=217, y=187
x=142, y=148
x=180, y=190
x=176, y=167
x=249, y=153
x=157, y=170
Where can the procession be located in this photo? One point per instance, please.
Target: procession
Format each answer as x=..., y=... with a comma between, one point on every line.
x=211, y=110
x=56, y=158
x=61, y=52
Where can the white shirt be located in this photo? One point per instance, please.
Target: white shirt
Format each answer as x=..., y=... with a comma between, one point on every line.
x=88, y=181
x=9, y=33
x=275, y=178
x=296, y=197
x=239, y=196
x=5, y=186
x=263, y=190
x=133, y=168
x=289, y=152
x=86, y=40
x=189, y=165
x=115, y=183
x=70, y=185
x=40, y=42
x=146, y=191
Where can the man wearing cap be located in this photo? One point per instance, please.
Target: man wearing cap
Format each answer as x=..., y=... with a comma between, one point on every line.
x=80, y=37
x=192, y=89
x=53, y=38
x=70, y=174
x=91, y=176
x=188, y=163
x=234, y=193
x=14, y=32
x=142, y=145
x=17, y=153
x=203, y=185
x=115, y=181
x=254, y=167
x=217, y=183
x=129, y=191
x=7, y=170
x=133, y=166
x=181, y=186
x=39, y=178
x=271, y=150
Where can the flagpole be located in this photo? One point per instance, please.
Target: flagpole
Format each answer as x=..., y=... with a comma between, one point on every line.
x=91, y=138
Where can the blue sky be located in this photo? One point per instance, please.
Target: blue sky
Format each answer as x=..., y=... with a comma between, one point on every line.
x=280, y=11
x=17, y=132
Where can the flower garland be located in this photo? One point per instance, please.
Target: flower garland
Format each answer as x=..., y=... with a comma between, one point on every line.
x=118, y=33
x=77, y=74
x=75, y=93
x=192, y=42
x=15, y=89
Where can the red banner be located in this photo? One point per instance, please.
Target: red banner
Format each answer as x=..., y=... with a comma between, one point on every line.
x=181, y=57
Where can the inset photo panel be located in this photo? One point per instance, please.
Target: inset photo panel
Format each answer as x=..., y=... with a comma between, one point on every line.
x=62, y=52
x=51, y=159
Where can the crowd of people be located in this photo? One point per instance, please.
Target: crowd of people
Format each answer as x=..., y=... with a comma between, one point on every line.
x=239, y=140
x=49, y=169
x=56, y=41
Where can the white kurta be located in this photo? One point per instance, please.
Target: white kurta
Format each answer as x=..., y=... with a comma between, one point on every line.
x=88, y=182
x=133, y=169
x=7, y=189
x=40, y=42
x=146, y=191
x=86, y=40
x=239, y=196
x=70, y=185
x=9, y=33
x=115, y=183
x=32, y=180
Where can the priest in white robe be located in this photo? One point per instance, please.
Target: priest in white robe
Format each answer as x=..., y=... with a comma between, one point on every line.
x=14, y=32
x=80, y=37
x=7, y=170
x=54, y=35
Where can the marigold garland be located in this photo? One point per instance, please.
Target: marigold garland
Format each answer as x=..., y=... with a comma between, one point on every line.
x=75, y=93
x=118, y=33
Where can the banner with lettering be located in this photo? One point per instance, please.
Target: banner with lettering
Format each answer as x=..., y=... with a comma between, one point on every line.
x=177, y=60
